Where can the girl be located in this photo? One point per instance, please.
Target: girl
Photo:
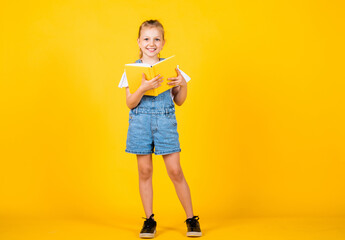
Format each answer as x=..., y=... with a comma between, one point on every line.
x=153, y=128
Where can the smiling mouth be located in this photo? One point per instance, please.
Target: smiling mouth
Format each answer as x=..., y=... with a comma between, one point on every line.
x=151, y=49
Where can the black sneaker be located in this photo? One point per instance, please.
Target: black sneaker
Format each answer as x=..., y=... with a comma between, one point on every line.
x=149, y=228
x=193, y=227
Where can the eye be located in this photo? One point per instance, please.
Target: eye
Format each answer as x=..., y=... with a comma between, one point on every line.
x=158, y=39
x=145, y=38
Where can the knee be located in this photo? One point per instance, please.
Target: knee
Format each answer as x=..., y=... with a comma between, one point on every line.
x=176, y=174
x=145, y=173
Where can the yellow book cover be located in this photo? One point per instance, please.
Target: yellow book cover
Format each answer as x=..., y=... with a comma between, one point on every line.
x=166, y=68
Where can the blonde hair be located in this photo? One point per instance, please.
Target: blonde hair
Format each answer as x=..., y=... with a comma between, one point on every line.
x=150, y=23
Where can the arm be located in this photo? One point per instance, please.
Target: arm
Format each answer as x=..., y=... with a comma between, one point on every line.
x=180, y=94
x=180, y=89
x=132, y=100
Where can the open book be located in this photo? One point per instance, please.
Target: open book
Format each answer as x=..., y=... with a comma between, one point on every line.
x=166, y=68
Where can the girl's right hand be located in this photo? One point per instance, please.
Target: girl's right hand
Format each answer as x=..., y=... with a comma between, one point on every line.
x=150, y=84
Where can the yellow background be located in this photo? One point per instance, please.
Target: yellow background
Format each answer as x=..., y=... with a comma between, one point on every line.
x=262, y=130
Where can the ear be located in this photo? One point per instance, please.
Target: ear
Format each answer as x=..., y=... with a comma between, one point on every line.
x=163, y=43
x=138, y=41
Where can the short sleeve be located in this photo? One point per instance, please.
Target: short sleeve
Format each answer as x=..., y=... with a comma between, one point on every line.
x=123, y=82
x=186, y=77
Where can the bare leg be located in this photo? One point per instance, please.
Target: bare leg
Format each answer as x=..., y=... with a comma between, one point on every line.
x=145, y=170
x=172, y=163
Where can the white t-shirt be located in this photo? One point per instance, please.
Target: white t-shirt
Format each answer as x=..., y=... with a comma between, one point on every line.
x=124, y=83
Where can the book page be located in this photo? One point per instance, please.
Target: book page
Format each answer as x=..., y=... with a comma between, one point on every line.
x=138, y=64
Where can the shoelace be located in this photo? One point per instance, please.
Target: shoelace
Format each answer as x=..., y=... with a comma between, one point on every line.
x=192, y=221
x=149, y=222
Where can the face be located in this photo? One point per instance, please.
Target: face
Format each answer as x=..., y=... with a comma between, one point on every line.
x=151, y=41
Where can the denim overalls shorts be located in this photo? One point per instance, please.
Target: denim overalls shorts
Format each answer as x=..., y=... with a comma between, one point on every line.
x=153, y=126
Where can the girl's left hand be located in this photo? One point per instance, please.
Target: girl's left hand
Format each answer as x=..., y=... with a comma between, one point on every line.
x=177, y=81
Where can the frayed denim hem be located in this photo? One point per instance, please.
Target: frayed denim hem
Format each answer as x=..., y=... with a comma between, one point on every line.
x=164, y=153
x=139, y=153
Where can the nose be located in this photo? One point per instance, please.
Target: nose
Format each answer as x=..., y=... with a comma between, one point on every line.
x=152, y=42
